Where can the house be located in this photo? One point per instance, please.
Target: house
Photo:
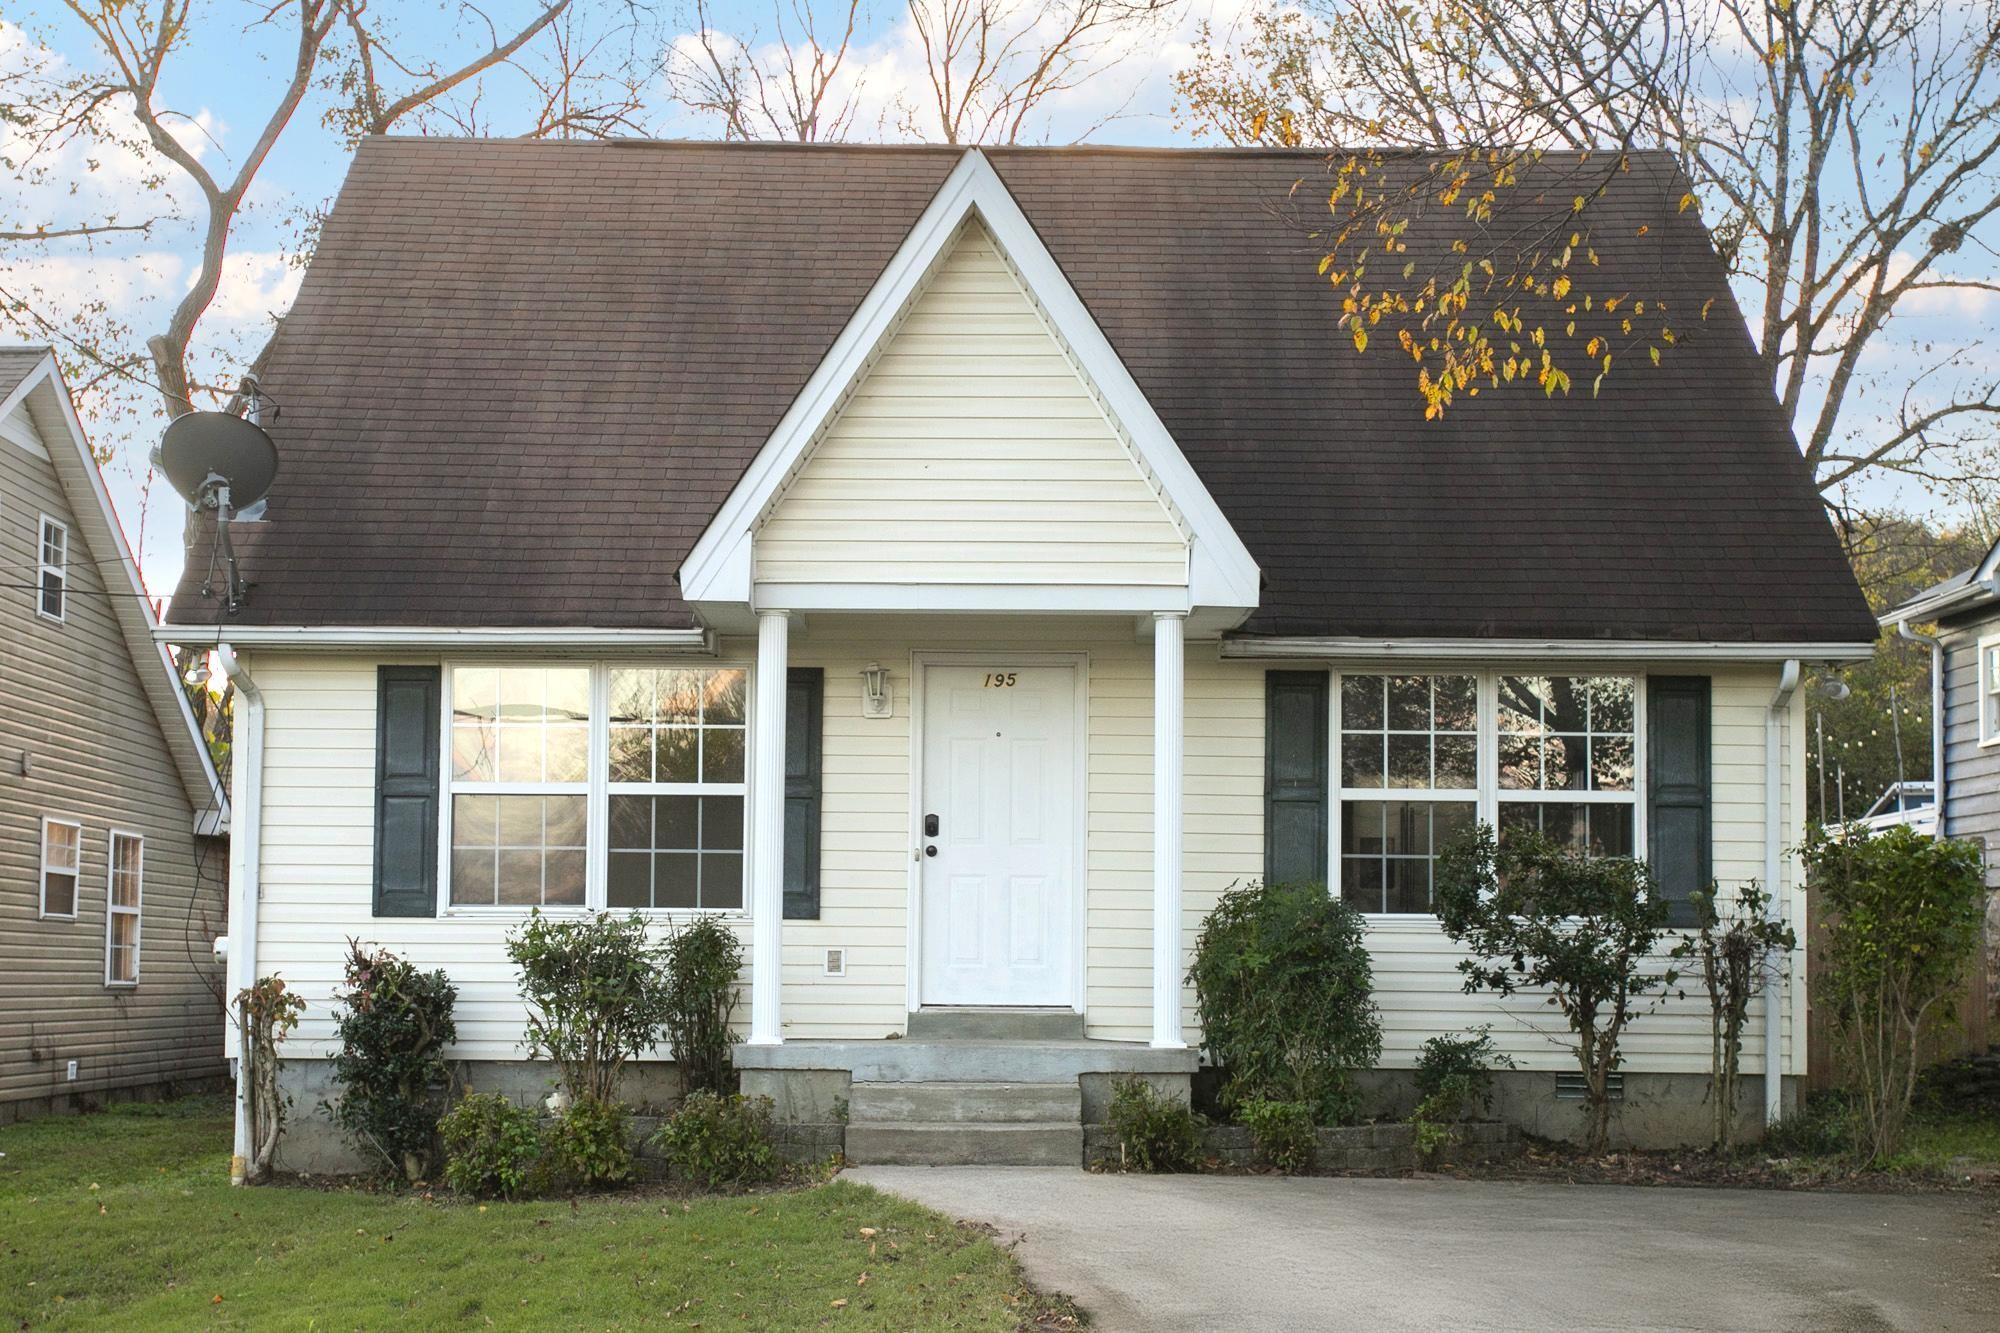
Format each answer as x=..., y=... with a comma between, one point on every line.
x=956, y=568
x=111, y=815
x=1965, y=733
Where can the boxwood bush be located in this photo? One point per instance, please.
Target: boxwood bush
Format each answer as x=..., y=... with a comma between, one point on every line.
x=1284, y=989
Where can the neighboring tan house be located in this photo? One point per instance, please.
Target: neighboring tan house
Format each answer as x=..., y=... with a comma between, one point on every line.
x=112, y=865
x=1965, y=726
x=956, y=568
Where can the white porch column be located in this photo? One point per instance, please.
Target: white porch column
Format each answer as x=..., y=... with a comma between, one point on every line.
x=1169, y=689
x=767, y=827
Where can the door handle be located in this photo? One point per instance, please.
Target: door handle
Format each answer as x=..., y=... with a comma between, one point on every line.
x=930, y=851
x=930, y=826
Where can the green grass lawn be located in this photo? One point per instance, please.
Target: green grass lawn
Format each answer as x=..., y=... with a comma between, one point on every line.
x=127, y=1219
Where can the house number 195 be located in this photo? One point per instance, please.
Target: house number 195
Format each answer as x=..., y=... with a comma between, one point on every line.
x=1000, y=680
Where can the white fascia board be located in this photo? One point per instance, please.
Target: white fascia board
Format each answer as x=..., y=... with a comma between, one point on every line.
x=719, y=567
x=1989, y=568
x=134, y=614
x=972, y=598
x=1335, y=647
x=359, y=637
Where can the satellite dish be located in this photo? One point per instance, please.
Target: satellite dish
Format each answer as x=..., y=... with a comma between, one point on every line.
x=223, y=464
x=218, y=461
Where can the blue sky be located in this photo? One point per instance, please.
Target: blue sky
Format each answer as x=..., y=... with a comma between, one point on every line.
x=226, y=80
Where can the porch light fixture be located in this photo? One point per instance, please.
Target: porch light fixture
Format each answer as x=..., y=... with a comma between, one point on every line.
x=875, y=698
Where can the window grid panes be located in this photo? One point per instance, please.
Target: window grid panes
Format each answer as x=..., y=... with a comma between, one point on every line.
x=677, y=727
x=121, y=960
x=520, y=767
x=677, y=750
x=1990, y=690
x=1409, y=775
x=1567, y=760
x=52, y=581
x=62, y=862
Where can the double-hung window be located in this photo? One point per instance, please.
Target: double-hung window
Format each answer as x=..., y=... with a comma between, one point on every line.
x=676, y=788
x=1422, y=757
x=62, y=864
x=1409, y=779
x=1989, y=691
x=520, y=784
x=52, y=570
x=609, y=786
x=121, y=921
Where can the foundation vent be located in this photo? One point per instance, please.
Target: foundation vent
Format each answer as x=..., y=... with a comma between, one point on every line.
x=1571, y=1087
x=836, y=963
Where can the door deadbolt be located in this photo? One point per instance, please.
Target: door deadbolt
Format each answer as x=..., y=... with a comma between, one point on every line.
x=930, y=826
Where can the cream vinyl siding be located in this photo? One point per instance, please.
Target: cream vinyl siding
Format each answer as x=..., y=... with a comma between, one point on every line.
x=971, y=451
x=72, y=700
x=318, y=833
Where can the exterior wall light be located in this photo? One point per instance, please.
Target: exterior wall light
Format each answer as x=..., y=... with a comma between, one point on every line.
x=876, y=700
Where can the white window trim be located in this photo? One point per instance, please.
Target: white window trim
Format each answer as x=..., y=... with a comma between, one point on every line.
x=112, y=911
x=1489, y=796
x=42, y=881
x=1985, y=695
x=43, y=568
x=597, y=789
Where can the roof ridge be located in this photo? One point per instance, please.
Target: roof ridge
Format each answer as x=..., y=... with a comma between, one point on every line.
x=632, y=143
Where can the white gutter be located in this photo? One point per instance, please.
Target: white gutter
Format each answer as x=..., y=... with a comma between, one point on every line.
x=1930, y=641
x=247, y=764
x=1509, y=650
x=1774, y=797
x=421, y=636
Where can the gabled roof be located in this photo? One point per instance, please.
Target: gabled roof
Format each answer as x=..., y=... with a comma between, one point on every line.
x=1968, y=590
x=1221, y=573
x=29, y=376
x=520, y=379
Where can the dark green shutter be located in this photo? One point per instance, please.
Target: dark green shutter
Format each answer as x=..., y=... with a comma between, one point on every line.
x=1295, y=776
x=1679, y=817
x=804, y=708
x=408, y=700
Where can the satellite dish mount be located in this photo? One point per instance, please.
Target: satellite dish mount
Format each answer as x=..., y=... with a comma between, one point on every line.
x=222, y=465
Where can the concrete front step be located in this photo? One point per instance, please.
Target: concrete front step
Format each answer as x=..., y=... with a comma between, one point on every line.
x=945, y=1143
x=906, y=1061
x=992, y=1024
x=994, y=1103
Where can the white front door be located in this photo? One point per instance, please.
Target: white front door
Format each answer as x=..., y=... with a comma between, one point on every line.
x=997, y=835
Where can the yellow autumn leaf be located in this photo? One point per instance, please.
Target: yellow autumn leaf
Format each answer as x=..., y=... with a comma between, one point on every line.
x=1360, y=338
x=1687, y=202
x=1561, y=288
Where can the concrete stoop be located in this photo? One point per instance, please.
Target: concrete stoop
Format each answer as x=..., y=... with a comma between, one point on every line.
x=999, y=1087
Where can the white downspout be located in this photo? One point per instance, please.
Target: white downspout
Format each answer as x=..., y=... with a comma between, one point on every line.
x=1903, y=631
x=1774, y=805
x=246, y=826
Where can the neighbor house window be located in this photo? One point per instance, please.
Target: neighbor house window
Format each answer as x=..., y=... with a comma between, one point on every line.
x=121, y=926
x=62, y=862
x=1409, y=779
x=520, y=784
x=1566, y=760
x=52, y=580
x=676, y=788
x=1989, y=691
x=1421, y=758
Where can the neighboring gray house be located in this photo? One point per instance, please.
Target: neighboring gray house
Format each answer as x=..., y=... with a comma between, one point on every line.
x=1965, y=699
x=112, y=859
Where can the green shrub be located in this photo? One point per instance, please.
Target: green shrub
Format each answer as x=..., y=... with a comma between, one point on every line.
x=596, y=995
x=720, y=1140
x=1155, y=1131
x=394, y=1023
x=1905, y=916
x=590, y=1143
x=1283, y=1133
x=702, y=961
x=493, y=1149
x=1740, y=955
x=1282, y=983
x=1578, y=930
x=1825, y=1126
x=1455, y=1073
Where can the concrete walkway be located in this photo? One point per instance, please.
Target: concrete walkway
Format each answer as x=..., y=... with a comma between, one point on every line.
x=1253, y=1252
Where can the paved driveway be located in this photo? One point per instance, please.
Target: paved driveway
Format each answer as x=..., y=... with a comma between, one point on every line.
x=1253, y=1252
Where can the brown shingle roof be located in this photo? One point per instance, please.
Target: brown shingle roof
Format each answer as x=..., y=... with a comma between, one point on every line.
x=520, y=377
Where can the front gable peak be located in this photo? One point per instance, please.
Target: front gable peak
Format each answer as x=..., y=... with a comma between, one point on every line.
x=1161, y=544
